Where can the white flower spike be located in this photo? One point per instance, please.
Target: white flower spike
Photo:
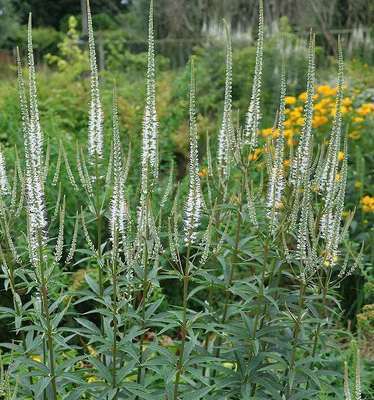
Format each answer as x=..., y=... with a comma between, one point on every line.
x=194, y=203
x=96, y=116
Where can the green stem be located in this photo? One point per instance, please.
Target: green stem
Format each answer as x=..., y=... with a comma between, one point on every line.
x=47, y=316
x=98, y=235
x=261, y=296
x=231, y=277
x=143, y=300
x=115, y=311
x=186, y=277
x=295, y=339
x=318, y=329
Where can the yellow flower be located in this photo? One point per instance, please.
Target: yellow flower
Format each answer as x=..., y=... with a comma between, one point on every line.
x=319, y=120
x=323, y=106
x=326, y=90
x=290, y=100
x=354, y=135
x=341, y=155
x=287, y=163
x=288, y=123
x=254, y=156
x=266, y=132
x=203, y=172
x=36, y=358
x=347, y=101
x=276, y=133
x=338, y=177
x=344, y=110
x=358, y=119
x=303, y=96
x=365, y=109
x=295, y=115
x=288, y=133
x=358, y=184
x=367, y=203
x=300, y=121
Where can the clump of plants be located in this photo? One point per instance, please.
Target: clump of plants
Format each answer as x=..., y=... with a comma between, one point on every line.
x=254, y=256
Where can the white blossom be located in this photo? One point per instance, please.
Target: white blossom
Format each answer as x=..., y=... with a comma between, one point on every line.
x=226, y=131
x=60, y=237
x=4, y=184
x=254, y=112
x=347, y=391
x=34, y=175
x=194, y=202
x=96, y=116
x=118, y=208
x=149, y=158
x=150, y=123
x=277, y=181
x=73, y=245
x=302, y=161
x=333, y=181
x=301, y=164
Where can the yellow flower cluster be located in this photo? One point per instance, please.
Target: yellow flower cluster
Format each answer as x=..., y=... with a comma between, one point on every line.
x=365, y=109
x=255, y=155
x=203, y=172
x=324, y=111
x=367, y=204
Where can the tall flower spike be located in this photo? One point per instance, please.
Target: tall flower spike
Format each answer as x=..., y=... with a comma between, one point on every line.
x=331, y=182
x=301, y=164
x=254, y=112
x=226, y=131
x=4, y=185
x=194, y=202
x=118, y=212
x=277, y=180
x=347, y=392
x=335, y=134
x=96, y=116
x=35, y=132
x=150, y=123
x=149, y=159
x=33, y=157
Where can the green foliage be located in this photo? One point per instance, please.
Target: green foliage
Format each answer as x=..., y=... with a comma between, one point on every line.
x=9, y=22
x=72, y=58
